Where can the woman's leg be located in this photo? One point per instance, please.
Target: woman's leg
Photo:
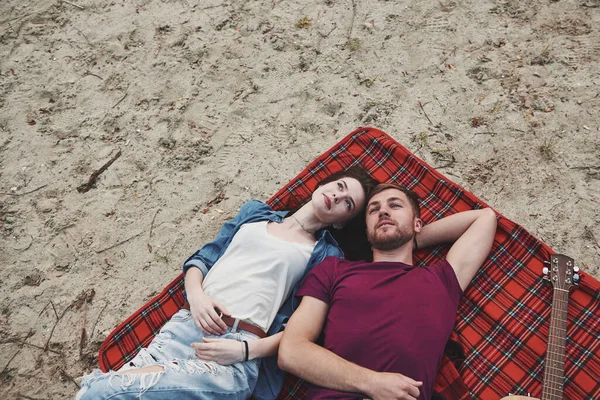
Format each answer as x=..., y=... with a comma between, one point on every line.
x=170, y=365
x=177, y=379
x=172, y=342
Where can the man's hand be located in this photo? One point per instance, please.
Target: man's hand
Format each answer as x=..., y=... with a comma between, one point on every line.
x=391, y=386
x=221, y=351
x=299, y=355
x=204, y=311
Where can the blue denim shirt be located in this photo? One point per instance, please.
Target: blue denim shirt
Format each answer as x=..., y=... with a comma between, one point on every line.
x=270, y=379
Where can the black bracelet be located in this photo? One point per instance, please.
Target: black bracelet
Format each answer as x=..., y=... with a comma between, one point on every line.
x=246, y=345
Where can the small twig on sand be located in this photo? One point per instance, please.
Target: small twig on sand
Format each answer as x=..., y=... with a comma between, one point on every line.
x=586, y=167
x=73, y=4
x=65, y=375
x=83, y=337
x=152, y=223
x=28, y=397
x=352, y=20
x=452, y=53
x=58, y=318
x=15, y=340
x=589, y=234
x=53, y=308
x=18, y=351
x=426, y=116
x=92, y=74
x=218, y=5
x=120, y=243
x=97, y=319
x=325, y=35
x=486, y=133
x=82, y=34
x=24, y=193
x=119, y=102
x=87, y=186
x=44, y=309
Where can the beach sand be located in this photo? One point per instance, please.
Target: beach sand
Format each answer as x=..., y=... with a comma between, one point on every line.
x=216, y=103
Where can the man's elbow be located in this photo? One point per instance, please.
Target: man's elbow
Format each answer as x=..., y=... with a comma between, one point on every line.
x=490, y=225
x=284, y=356
x=490, y=215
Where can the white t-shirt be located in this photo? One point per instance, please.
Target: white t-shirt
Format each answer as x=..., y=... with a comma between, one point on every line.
x=256, y=274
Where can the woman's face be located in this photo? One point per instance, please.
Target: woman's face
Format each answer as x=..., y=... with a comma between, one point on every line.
x=338, y=201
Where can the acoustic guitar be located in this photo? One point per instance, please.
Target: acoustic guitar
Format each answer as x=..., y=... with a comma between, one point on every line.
x=563, y=274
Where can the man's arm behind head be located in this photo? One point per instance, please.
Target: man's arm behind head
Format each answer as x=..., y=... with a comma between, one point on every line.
x=471, y=249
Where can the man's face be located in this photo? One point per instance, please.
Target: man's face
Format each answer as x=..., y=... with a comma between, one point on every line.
x=391, y=221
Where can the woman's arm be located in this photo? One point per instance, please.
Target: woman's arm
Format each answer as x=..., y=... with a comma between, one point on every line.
x=198, y=265
x=203, y=307
x=229, y=351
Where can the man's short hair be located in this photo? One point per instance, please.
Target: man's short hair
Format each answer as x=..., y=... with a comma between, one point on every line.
x=412, y=196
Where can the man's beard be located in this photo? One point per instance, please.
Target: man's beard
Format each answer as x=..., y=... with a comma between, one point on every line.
x=390, y=240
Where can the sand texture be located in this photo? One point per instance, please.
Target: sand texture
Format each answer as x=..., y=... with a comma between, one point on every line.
x=211, y=104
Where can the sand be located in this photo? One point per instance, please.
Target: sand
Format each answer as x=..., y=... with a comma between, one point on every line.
x=217, y=103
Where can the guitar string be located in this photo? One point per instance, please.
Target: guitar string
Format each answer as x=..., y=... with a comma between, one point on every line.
x=555, y=386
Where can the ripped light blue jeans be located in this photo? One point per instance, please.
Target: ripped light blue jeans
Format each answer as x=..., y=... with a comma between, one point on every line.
x=185, y=376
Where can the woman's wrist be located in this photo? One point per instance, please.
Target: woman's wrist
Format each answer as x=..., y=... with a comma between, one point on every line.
x=251, y=346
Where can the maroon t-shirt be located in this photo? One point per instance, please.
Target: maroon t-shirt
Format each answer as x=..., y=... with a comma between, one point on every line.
x=385, y=316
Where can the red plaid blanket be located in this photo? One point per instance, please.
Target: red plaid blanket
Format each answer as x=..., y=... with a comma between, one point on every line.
x=499, y=342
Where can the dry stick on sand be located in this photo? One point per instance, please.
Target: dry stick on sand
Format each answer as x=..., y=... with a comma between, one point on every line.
x=35, y=346
x=64, y=373
x=218, y=5
x=86, y=39
x=24, y=193
x=28, y=397
x=325, y=35
x=87, y=186
x=73, y=4
x=426, y=116
x=92, y=74
x=18, y=351
x=120, y=243
x=58, y=318
x=97, y=319
x=45, y=348
x=122, y=98
x=83, y=337
x=452, y=53
x=352, y=20
x=152, y=223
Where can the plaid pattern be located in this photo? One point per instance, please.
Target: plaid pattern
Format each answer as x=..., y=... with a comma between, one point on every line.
x=499, y=342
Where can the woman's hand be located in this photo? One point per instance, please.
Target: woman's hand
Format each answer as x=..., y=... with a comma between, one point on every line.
x=221, y=351
x=204, y=312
